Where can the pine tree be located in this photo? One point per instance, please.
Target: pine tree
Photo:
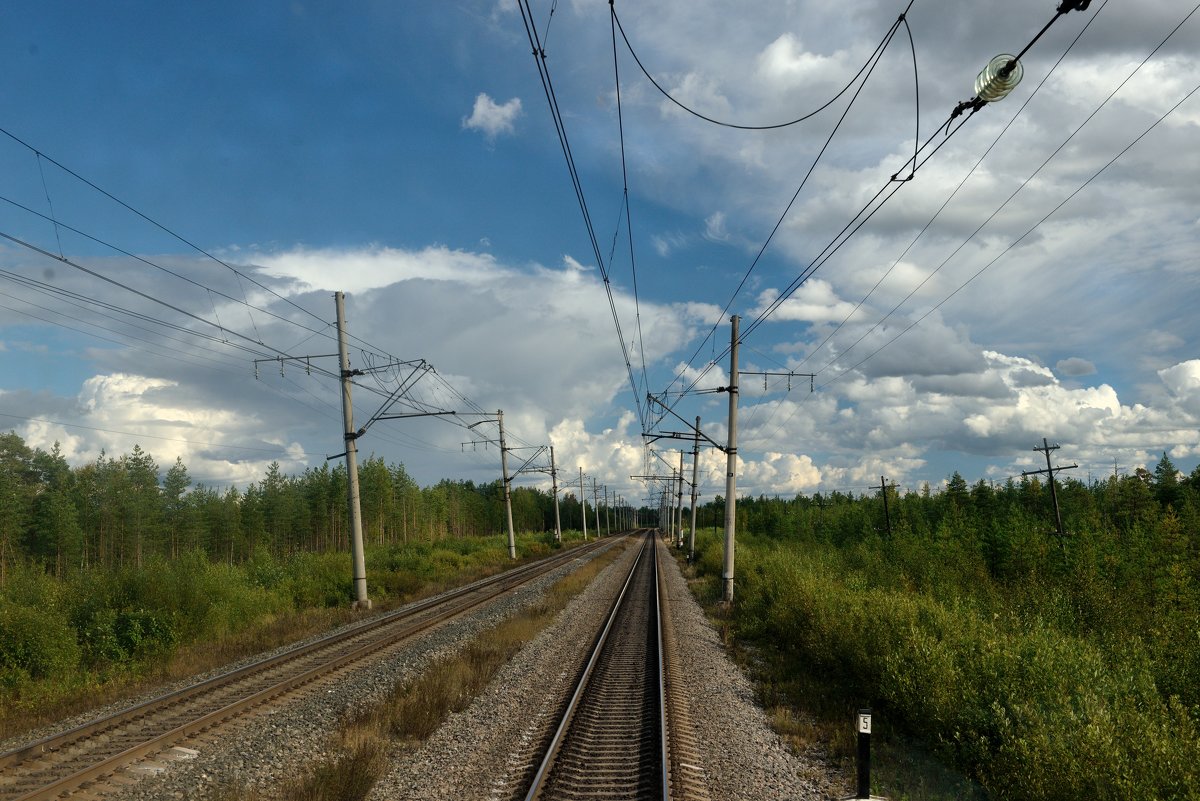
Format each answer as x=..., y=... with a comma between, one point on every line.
x=16, y=482
x=143, y=503
x=1167, y=490
x=179, y=521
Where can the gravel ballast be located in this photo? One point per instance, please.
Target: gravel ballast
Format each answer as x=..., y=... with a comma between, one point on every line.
x=264, y=747
x=486, y=751
x=745, y=759
x=482, y=752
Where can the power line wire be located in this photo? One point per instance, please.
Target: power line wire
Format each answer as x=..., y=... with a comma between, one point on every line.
x=870, y=67
x=239, y=275
x=744, y=127
x=625, y=202
x=1018, y=190
x=166, y=270
x=974, y=105
x=956, y=190
x=1017, y=241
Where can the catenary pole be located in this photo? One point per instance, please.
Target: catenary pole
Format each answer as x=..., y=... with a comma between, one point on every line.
x=596, y=505
x=583, y=504
x=512, y=540
x=607, y=509
x=679, y=504
x=554, y=483
x=695, y=491
x=731, y=464
x=350, y=437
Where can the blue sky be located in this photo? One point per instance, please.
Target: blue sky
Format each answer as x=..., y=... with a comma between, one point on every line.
x=404, y=153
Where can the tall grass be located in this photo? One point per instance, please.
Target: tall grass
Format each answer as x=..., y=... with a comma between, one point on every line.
x=68, y=644
x=1009, y=688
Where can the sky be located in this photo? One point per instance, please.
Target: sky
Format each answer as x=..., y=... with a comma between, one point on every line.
x=184, y=187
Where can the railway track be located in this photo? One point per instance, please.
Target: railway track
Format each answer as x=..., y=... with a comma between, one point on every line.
x=57, y=766
x=625, y=733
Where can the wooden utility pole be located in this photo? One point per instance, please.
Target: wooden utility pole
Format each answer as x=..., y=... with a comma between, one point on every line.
x=1050, y=471
x=887, y=520
x=554, y=483
x=349, y=436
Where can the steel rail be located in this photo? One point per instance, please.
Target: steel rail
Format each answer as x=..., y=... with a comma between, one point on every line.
x=538, y=785
x=664, y=747
x=451, y=604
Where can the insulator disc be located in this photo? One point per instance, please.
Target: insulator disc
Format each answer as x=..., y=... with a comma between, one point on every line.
x=992, y=84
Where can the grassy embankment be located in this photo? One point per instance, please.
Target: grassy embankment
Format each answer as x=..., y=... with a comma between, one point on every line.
x=67, y=646
x=413, y=711
x=1007, y=683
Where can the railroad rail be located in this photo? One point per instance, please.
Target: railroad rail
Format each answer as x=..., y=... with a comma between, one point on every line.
x=55, y=766
x=624, y=733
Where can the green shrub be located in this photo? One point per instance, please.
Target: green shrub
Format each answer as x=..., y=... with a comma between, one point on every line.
x=1012, y=696
x=35, y=644
x=142, y=632
x=319, y=580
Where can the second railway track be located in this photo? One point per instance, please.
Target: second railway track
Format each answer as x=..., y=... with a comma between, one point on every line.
x=56, y=766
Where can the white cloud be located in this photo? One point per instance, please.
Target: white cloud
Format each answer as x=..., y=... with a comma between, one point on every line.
x=493, y=118
x=814, y=302
x=118, y=410
x=1183, y=381
x=667, y=243
x=374, y=267
x=786, y=64
x=784, y=473
x=714, y=227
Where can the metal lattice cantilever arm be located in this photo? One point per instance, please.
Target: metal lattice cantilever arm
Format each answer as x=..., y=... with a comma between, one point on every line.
x=698, y=432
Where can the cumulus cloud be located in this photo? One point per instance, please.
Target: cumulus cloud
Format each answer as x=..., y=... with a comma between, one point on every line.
x=786, y=63
x=113, y=412
x=785, y=473
x=492, y=118
x=814, y=302
x=362, y=269
x=1183, y=381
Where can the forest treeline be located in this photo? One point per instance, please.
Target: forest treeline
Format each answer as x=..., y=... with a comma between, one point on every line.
x=1041, y=666
x=116, y=511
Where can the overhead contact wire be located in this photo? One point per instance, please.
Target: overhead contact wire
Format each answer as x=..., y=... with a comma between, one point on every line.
x=560, y=129
x=628, y=219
